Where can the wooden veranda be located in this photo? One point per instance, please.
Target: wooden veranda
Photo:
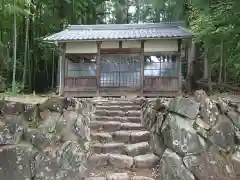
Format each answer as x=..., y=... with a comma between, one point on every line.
x=121, y=66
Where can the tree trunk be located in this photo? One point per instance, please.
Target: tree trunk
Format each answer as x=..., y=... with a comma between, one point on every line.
x=14, y=50
x=221, y=64
x=138, y=10
x=25, y=54
x=209, y=71
x=225, y=69
x=205, y=71
x=157, y=15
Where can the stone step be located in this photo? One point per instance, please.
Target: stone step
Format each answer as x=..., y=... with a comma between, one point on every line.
x=146, y=161
x=123, y=161
x=133, y=173
x=133, y=136
x=118, y=176
x=117, y=108
x=117, y=148
x=103, y=112
x=118, y=118
x=98, y=160
x=137, y=149
x=121, y=148
x=120, y=161
x=119, y=112
x=101, y=136
x=132, y=126
x=141, y=178
x=108, y=126
x=130, y=136
x=133, y=113
x=96, y=178
x=117, y=103
x=112, y=126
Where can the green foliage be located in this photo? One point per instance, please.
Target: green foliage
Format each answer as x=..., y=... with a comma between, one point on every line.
x=216, y=22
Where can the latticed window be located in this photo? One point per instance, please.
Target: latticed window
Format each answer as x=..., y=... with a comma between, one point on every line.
x=160, y=66
x=82, y=66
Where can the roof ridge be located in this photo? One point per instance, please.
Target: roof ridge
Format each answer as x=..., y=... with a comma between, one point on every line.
x=124, y=26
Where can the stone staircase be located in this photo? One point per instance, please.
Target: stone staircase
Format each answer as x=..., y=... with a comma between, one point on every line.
x=119, y=147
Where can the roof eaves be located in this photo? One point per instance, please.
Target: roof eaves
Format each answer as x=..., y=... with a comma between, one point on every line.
x=122, y=39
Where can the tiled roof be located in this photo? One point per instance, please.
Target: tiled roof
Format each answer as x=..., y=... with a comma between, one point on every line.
x=120, y=31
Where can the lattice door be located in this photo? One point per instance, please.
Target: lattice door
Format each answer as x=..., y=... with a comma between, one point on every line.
x=120, y=71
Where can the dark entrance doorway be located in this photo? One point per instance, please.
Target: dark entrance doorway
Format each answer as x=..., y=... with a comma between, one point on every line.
x=120, y=71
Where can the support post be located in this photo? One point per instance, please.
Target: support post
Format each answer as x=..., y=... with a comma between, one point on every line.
x=191, y=56
x=142, y=67
x=62, y=64
x=179, y=66
x=98, y=66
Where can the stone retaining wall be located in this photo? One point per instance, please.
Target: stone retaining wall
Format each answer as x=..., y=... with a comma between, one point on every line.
x=44, y=140
x=196, y=138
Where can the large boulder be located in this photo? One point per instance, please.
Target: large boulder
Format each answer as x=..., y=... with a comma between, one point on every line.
x=222, y=134
x=11, y=133
x=236, y=161
x=180, y=136
x=209, y=164
x=235, y=117
x=208, y=108
x=67, y=162
x=156, y=143
x=184, y=106
x=171, y=167
x=16, y=162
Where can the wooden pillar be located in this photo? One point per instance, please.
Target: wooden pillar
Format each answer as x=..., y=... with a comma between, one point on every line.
x=98, y=66
x=179, y=66
x=191, y=56
x=142, y=67
x=62, y=69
